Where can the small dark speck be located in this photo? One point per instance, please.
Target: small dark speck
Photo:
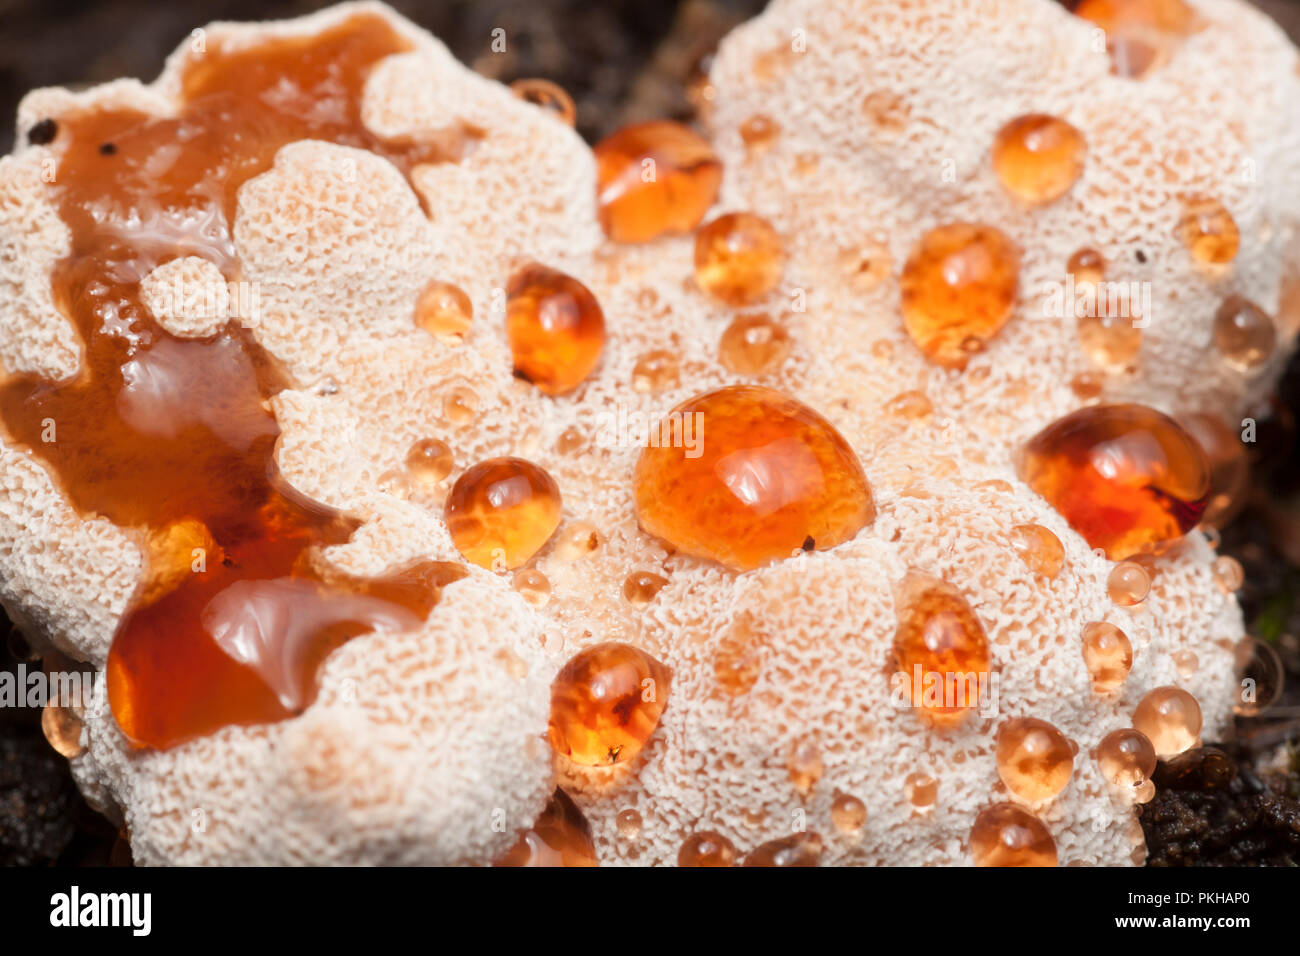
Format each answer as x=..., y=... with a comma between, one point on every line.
x=107, y=149
x=43, y=132
x=809, y=543
x=1141, y=256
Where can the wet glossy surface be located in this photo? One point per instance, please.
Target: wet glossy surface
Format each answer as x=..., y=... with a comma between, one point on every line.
x=1126, y=477
x=501, y=511
x=555, y=326
x=158, y=432
x=559, y=837
x=940, y=648
x=763, y=478
x=959, y=287
x=605, y=704
x=653, y=179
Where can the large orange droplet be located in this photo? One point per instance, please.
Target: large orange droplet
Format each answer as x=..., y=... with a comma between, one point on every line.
x=958, y=289
x=653, y=179
x=746, y=475
x=501, y=511
x=1126, y=477
x=605, y=704
x=555, y=326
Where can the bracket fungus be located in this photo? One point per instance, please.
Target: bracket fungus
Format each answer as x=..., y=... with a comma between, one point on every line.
x=335, y=563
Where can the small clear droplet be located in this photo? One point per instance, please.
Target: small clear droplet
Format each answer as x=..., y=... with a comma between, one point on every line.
x=578, y=540
x=533, y=586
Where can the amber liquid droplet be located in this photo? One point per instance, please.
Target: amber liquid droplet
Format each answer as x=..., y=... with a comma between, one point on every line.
x=1174, y=16
x=802, y=849
x=1041, y=550
x=1228, y=573
x=700, y=90
x=1112, y=341
x=429, y=461
x=737, y=659
x=759, y=131
x=738, y=258
x=754, y=345
x=560, y=837
x=1170, y=718
x=1007, y=835
x=867, y=266
x=1126, y=477
x=605, y=704
x=445, y=312
x=1244, y=334
x=460, y=405
x=555, y=326
x=641, y=587
x=1186, y=663
x=655, y=371
x=1140, y=34
x=628, y=823
x=1260, y=676
x=1087, y=386
x=1128, y=584
x=848, y=813
x=746, y=475
x=549, y=96
x=1034, y=759
x=921, y=790
x=501, y=511
x=1126, y=757
x=1209, y=232
x=1108, y=656
x=1087, y=267
x=805, y=766
x=157, y=431
x=578, y=540
x=912, y=405
x=653, y=179
x=62, y=724
x=571, y=441
x=1229, y=466
x=958, y=290
x=706, y=848
x=533, y=586
x=940, y=648
x=1038, y=157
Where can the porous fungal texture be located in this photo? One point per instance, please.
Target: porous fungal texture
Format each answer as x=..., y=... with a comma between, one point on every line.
x=427, y=746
